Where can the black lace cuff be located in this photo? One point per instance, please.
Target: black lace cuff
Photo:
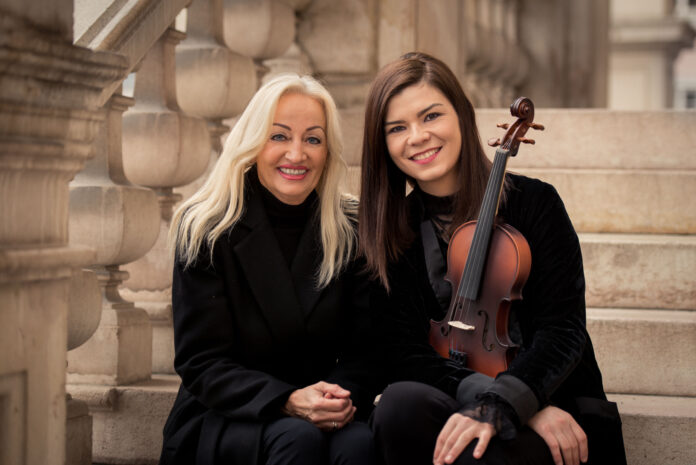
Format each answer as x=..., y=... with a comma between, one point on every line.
x=491, y=409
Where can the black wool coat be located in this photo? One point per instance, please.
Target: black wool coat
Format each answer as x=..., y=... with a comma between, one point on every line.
x=249, y=330
x=556, y=360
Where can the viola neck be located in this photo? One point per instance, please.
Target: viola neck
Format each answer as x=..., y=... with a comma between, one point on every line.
x=469, y=285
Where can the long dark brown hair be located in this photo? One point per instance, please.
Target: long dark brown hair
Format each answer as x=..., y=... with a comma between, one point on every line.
x=384, y=229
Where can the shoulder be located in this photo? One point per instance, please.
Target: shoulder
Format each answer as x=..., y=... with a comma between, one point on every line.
x=529, y=196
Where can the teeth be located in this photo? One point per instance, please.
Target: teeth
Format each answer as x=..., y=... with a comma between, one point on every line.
x=293, y=172
x=425, y=155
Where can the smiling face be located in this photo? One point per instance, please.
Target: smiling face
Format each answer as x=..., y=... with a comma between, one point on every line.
x=291, y=162
x=423, y=138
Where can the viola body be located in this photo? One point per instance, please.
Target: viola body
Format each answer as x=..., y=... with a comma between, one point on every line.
x=476, y=335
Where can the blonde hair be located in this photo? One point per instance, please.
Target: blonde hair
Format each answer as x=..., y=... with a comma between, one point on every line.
x=219, y=203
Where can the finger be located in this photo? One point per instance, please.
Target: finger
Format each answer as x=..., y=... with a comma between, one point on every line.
x=461, y=434
x=569, y=448
x=483, y=440
x=444, y=434
x=582, y=441
x=554, y=447
x=333, y=389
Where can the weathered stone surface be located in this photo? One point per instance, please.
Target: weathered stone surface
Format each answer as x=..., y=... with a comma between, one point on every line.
x=640, y=271
x=84, y=307
x=628, y=341
x=78, y=438
x=658, y=429
x=596, y=138
x=325, y=27
x=626, y=201
x=128, y=426
x=259, y=29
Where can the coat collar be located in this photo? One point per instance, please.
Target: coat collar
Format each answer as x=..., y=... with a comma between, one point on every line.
x=267, y=272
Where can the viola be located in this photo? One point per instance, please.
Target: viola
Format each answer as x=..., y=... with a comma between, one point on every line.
x=488, y=263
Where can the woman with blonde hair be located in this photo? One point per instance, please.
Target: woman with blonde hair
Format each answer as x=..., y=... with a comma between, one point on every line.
x=267, y=308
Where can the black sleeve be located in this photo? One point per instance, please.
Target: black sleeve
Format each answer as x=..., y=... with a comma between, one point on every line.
x=552, y=312
x=204, y=337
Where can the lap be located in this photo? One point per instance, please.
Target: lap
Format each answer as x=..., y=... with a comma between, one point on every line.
x=409, y=418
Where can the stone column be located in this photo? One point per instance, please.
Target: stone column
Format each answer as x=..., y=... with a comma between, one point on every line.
x=49, y=91
x=645, y=40
x=162, y=148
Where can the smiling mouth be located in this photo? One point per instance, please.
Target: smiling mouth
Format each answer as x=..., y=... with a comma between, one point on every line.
x=425, y=157
x=293, y=173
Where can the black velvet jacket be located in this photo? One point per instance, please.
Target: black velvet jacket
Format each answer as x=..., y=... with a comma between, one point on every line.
x=249, y=329
x=556, y=361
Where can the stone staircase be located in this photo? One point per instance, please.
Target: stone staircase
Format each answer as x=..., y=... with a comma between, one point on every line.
x=627, y=180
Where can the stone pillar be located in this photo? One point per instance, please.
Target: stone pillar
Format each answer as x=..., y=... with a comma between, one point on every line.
x=162, y=148
x=49, y=90
x=120, y=221
x=645, y=40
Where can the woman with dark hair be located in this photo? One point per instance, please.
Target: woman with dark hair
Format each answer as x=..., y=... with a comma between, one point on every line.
x=549, y=406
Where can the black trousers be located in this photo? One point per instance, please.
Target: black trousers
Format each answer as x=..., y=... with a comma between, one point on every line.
x=409, y=418
x=292, y=441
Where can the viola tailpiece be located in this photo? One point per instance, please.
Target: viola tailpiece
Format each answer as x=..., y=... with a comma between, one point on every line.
x=487, y=265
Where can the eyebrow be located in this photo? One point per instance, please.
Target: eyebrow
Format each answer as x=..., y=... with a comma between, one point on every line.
x=306, y=130
x=419, y=114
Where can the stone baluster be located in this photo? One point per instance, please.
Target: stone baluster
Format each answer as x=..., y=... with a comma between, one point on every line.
x=49, y=94
x=163, y=148
x=120, y=221
x=479, y=51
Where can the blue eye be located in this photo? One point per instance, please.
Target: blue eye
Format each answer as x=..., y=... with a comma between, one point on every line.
x=278, y=137
x=314, y=140
x=432, y=116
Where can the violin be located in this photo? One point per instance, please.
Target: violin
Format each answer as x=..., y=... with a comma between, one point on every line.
x=488, y=263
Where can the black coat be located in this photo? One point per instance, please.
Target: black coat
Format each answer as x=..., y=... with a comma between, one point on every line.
x=556, y=360
x=249, y=330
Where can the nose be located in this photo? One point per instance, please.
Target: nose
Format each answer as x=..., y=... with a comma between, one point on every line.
x=295, y=153
x=418, y=135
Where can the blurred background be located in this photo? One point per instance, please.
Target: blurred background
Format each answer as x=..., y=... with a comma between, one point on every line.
x=113, y=111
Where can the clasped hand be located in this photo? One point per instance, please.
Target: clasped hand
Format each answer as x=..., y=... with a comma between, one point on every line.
x=327, y=406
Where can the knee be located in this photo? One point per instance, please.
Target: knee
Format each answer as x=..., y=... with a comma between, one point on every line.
x=401, y=404
x=305, y=436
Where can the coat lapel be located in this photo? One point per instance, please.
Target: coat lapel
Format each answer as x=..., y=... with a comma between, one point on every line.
x=305, y=265
x=268, y=274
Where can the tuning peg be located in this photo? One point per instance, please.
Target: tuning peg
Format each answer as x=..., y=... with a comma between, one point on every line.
x=503, y=125
x=524, y=140
x=537, y=126
x=494, y=142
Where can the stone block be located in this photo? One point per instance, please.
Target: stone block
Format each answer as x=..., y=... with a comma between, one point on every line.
x=658, y=430
x=597, y=138
x=640, y=270
x=645, y=351
x=128, y=420
x=78, y=440
x=626, y=201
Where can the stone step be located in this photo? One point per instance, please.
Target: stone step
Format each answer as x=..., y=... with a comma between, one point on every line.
x=640, y=270
x=625, y=201
x=628, y=341
x=597, y=138
x=577, y=138
x=657, y=429
x=128, y=420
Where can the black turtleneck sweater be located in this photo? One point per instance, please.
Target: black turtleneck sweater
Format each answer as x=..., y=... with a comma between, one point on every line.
x=287, y=221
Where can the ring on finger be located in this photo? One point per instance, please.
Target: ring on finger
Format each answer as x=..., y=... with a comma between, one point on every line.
x=335, y=425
